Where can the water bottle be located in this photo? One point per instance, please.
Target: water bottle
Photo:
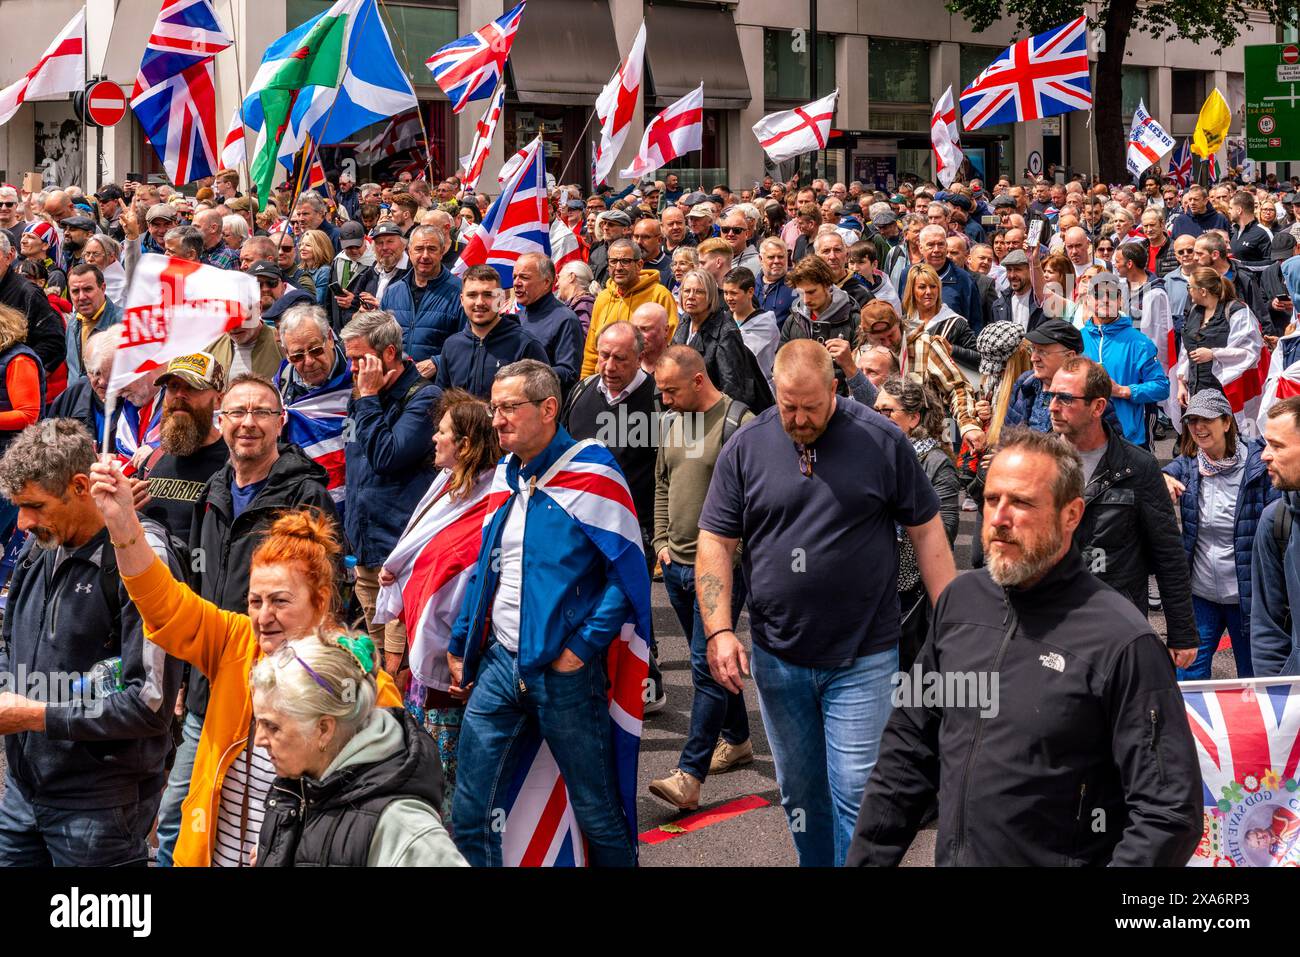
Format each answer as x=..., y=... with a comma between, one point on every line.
x=350, y=569
x=103, y=679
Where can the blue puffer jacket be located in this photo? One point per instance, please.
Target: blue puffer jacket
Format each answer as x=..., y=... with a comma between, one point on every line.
x=1129, y=358
x=571, y=598
x=1256, y=492
x=439, y=316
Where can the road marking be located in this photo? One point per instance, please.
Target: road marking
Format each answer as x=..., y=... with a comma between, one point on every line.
x=702, y=819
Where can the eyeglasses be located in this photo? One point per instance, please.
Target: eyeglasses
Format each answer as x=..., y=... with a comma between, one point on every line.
x=731, y=230
x=1065, y=398
x=239, y=415
x=620, y=262
x=888, y=411
x=317, y=352
x=508, y=408
x=287, y=249
x=806, y=459
x=1034, y=350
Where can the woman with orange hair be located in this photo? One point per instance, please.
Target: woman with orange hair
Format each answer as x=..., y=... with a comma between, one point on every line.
x=291, y=593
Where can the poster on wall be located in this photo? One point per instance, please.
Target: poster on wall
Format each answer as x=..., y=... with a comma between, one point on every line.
x=57, y=136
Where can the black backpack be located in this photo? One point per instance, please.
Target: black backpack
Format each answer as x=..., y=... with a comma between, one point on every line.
x=1282, y=524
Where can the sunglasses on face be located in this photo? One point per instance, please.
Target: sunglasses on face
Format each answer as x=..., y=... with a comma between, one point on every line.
x=731, y=230
x=316, y=353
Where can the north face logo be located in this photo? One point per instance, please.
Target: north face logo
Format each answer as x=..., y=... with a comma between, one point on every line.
x=85, y=589
x=1052, y=660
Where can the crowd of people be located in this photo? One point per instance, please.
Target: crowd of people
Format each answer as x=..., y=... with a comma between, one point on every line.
x=792, y=392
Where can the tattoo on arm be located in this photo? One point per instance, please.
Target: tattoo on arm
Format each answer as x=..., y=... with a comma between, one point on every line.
x=708, y=587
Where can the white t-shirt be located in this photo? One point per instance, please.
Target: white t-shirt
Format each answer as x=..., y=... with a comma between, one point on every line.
x=1020, y=310
x=241, y=360
x=505, y=606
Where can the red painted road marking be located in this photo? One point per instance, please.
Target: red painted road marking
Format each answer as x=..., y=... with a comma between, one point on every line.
x=702, y=819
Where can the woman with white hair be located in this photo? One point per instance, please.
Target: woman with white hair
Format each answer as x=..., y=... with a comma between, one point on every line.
x=370, y=776
x=234, y=230
x=573, y=287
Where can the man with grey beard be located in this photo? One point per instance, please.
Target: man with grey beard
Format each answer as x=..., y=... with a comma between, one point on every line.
x=191, y=451
x=1082, y=754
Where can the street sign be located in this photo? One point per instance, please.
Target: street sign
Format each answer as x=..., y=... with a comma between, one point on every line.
x=1272, y=126
x=105, y=103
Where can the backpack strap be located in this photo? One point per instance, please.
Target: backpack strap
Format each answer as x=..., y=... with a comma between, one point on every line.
x=582, y=386
x=735, y=412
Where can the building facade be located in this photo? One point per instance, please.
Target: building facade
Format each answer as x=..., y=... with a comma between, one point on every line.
x=889, y=62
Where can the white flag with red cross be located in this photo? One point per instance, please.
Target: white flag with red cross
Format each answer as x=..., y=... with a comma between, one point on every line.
x=675, y=132
x=60, y=70
x=792, y=133
x=945, y=141
x=616, y=108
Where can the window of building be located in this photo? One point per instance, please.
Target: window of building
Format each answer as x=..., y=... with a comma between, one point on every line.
x=1135, y=84
x=785, y=65
x=1188, y=88
x=973, y=61
x=899, y=71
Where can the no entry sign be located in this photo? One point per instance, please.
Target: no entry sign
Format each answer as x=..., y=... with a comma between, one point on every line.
x=105, y=103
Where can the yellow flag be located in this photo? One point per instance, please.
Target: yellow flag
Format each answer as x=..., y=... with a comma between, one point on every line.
x=1212, y=125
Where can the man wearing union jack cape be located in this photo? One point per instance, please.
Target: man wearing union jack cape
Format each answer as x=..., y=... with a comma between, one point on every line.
x=551, y=640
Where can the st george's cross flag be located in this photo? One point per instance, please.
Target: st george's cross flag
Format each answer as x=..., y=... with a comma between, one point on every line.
x=432, y=564
x=315, y=422
x=945, y=140
x=541, y=828
x=616, y=107
x=1283, y=381
x=233, y=148
x=676, y=131
x=1147, y=141
x=472, y=163
x=517, y=223
x=60, y=70
x=175, y=98
x=1247, y=736
x=792, y=133
x=1042, y=75
x=470, y=67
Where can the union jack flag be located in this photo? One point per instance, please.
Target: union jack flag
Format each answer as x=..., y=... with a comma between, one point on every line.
x=315, y=424
x=473, y=162
x=1247, y=735
x=1039, y=76
x=517, y=223
x=541, y=828
x=136, y=426
x=1180, y=166
x=469, y=67
x=174, y=97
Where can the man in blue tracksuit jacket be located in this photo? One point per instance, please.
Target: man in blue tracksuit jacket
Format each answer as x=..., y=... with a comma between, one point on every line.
x=470, y=359
x=426, y=303
x=541, y=608
x=1127, y=355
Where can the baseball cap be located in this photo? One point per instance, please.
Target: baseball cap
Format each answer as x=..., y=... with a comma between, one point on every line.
x=700, y=210
x=1105, y=282
x=1016, y=257
x=110, y=192
x=616, y=216
x=1056, y=332
x=78, y=222
x=1208, y=404
x=960, y=201
x=265, y=269
x=352, y=234
x=1283, y=246
x=1290, y=199
x=161, y=211
x=898, y=199
x=198, y=370
x=387, y=229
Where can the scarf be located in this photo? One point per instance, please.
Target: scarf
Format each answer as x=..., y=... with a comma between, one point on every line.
x=923, y=447
x=1211, y=467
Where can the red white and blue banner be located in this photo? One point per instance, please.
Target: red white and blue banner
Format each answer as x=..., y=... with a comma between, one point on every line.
x=470, y=67
x=1180, y=165
x=1042, y=75
x=472, y=163
x=433, y=562
x=138, y=426
x=541, y=828
x=315, y=424
x=516, y=224
x=174, y=98
x=1148, y=141
x=1247, y=734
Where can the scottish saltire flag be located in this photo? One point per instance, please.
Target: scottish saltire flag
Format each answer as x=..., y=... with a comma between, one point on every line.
x=1247, y=734
x=1042, y=75
x=517, y=223
x=541, y=828
x=315, y=424
x=137, y=426
x=326, y=79
x=470, y=67
x=472, y=162
x=174, y=97
x=433, y=562
x=1180, y=165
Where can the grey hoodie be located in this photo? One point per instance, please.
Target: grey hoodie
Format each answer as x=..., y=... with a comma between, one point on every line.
x=839, y=320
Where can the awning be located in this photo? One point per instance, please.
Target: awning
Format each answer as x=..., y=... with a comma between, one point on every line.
x=685, y=45
x=566, y=56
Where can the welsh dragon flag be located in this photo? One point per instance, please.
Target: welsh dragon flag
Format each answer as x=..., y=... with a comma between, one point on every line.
x=323, y=81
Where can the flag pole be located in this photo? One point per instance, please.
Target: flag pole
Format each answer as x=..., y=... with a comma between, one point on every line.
x=239, y=88
x=560, y=179
x=419, y=112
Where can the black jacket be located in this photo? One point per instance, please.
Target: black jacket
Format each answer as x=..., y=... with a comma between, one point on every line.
x=1001, y=310
x=78, y=401
x=44, y=326
x=1252, y=245
x=1088, y=759
x=62, y=617
x=228, y=543
x=363, y=279
x=331, y=823
x=730, y=364
x=1273, y=286
x=1129, y=533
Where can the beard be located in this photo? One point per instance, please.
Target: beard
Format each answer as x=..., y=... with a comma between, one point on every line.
x=183, y=430
x=1036, y=557
x=46, y=539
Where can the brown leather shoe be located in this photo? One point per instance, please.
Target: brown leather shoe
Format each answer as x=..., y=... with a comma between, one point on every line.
x=727, y=756
x=679, y=789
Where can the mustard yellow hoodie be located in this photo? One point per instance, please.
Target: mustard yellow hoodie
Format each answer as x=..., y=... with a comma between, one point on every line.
x=612, y=306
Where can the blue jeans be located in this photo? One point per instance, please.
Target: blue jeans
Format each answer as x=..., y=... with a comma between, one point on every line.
x=178, y=786
x=571, y=712
x=714, y=709
x=1211, y=620
x=36, y=836
x=824, y=727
